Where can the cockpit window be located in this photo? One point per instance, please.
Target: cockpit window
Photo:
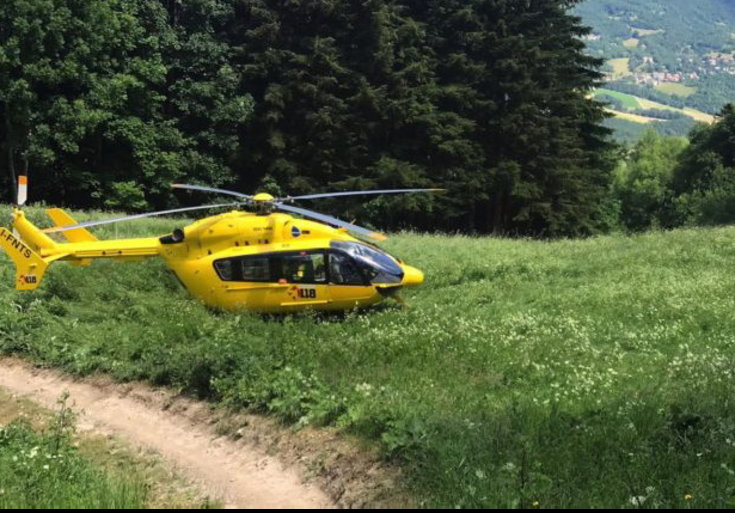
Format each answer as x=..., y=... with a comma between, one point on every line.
x=380, y=266
x=343, y=271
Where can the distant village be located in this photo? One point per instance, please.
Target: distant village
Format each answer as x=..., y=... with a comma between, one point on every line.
x=711, y=64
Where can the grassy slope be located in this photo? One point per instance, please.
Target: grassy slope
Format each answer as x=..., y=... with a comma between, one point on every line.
x=629, y=101
x=43, y=469
x=692, y=113
x=633, y=118
x=621, y=67
x=573, y=373
x=676, y=89
x=100, y=470
x=634, y=102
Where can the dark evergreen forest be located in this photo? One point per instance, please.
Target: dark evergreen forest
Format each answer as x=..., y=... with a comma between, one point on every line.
x=106, y=102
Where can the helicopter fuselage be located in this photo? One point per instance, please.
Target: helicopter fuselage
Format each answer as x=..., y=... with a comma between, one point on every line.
x=277, y=263
x=269, y=262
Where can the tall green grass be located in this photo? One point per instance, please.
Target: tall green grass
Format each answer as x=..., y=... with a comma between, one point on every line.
x=595, y=373
x=45, y=471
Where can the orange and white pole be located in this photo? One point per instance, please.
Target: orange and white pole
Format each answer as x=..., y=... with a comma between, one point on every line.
x=22, y=190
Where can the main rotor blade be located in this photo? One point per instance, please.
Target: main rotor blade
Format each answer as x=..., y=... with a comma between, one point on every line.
x=103, y=222
x=210, y=189
x=332, y=220
x=358, y=193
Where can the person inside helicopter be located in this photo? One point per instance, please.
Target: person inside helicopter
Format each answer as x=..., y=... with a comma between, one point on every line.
x=342, y=270
x=304, y=268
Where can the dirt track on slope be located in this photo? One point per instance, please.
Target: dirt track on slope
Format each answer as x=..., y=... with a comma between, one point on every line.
x=240, y=475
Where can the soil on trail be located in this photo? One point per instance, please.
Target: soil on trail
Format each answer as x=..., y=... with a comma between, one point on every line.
x=240, y=475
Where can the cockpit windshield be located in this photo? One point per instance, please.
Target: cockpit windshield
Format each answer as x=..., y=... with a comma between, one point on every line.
x=381, y=267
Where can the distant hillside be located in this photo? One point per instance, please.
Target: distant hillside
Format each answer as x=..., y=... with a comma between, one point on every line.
x=664, y=29
x=679, y=53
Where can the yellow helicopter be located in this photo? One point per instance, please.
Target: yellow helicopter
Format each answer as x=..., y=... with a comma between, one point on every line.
x=260, y=258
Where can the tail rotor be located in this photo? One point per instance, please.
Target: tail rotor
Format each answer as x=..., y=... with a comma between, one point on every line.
x=22, y=197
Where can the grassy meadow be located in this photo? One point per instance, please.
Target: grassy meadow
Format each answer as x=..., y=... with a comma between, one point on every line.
x=634, y=103
x=620, y=67
x=676, y=89
x=44, y=469
x=592, y=373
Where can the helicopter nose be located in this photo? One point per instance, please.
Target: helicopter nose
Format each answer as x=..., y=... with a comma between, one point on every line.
x=412, y=277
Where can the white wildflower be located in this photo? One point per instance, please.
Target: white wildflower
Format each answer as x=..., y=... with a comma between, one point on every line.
x=638, y=500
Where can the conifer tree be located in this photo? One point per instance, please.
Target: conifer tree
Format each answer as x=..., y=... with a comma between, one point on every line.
x=111, y=101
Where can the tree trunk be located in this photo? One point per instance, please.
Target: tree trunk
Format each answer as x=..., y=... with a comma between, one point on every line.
x=497, y=222
x=11, y=150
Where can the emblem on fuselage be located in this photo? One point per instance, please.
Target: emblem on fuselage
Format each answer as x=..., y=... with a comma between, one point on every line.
x=297, y=293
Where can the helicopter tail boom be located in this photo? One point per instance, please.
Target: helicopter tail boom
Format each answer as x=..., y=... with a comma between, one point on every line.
x=32, y=251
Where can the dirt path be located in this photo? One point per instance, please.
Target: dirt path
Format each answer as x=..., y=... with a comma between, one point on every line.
x=240, y=475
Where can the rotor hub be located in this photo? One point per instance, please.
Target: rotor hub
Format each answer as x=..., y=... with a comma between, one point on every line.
x=263, y=197
x=263, y=203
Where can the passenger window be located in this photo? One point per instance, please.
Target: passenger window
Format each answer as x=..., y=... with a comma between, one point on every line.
x=304, y=268
x=247, y=269
x=343, y=270
x=256, y=269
